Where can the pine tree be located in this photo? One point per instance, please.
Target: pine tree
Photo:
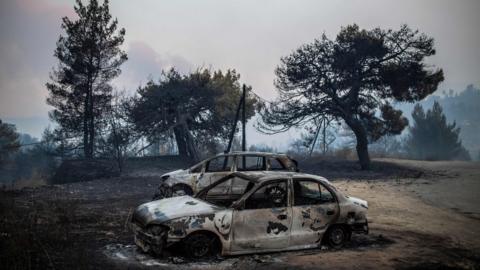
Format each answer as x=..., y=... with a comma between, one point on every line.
x=432, y=138
x=355, y=78
x=9, y=142
x=89, y=57
x=197, y=109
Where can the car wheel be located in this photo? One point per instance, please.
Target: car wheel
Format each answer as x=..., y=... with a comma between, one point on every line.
x=201, y=245
x=156, y=249
x=337, y=236
x=181, y=190
x=163, y=191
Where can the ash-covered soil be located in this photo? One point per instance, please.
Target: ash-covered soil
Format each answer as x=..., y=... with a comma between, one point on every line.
x=423, y=216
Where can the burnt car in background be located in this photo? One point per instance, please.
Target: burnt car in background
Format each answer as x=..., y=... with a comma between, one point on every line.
x=273, y=211
x=190, y=181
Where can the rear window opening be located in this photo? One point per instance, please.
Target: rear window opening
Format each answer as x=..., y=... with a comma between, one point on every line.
x=251, y=163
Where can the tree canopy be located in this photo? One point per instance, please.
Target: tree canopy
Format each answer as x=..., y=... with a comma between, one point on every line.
x=197, y=109
x=89, y=57
x=354, y=78
x=432, y=138
x=9, y=142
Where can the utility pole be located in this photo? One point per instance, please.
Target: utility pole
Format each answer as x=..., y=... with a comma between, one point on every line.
x=244, y=130
x=234, y=127
x=241, y=106
x=324, y=135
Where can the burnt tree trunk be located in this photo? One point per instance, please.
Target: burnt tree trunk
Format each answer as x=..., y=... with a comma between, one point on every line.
x=91, y=126
x=192, y=150
x=362, y=143
x=88, y=128
x=85, y=127
x=181, y=142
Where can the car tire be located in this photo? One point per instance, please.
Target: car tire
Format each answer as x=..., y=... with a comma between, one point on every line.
x=157, y=248
x=201, y=245
x=163, y=191
x=180, y=190
x=337, y=236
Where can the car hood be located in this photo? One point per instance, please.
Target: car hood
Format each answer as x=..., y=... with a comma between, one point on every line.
x=157, y=212
x=176, y=173
x=358, y=201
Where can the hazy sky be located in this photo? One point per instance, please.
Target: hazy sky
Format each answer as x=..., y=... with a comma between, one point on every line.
x=248, y=35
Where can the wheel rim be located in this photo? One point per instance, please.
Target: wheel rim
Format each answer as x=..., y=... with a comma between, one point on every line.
x=179, y=192
x=200, y=247
x=337, y=236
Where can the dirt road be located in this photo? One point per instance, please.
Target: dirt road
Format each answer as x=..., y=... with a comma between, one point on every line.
x=424, y=215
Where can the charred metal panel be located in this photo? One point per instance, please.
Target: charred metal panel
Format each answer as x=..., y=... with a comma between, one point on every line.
x=353, y=211
x=219, y=223
x=179, y=176
x=261, y=229
x=311, y=221
x=248, y=230
x=157, y=212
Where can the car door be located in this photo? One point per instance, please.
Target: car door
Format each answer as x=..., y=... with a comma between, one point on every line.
x=215, y=169
x=264, y=222
x=314, y=208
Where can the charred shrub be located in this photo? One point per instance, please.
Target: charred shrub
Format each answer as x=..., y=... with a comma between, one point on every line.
x=80, y=170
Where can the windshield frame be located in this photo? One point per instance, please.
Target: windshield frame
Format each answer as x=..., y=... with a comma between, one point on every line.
x=245, y=177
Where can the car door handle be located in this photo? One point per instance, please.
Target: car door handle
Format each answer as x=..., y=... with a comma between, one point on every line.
x=282, y=217
x=330, y=212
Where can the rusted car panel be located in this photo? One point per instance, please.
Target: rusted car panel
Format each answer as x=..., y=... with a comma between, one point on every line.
x=277, y=211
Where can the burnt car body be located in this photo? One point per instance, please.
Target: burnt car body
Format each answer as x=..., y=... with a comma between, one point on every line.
x=190, y=181
x=274, y=212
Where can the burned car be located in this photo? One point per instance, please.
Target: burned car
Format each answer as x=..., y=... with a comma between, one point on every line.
x=190, y=181
x=265, y=212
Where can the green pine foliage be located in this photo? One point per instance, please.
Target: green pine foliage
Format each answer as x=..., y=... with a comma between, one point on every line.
x=9, y=142
x=433, y=138
x=196, y=109
x=354, y=78
x=89, y=57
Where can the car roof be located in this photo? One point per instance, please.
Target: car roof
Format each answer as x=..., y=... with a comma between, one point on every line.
x=252, y=153
x=244, y=153
x=259, y=177
x=263, y=176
